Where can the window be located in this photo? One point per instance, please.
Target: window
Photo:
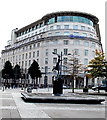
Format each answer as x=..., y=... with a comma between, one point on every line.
x=93, y=45
x=76, y=51
x=66, y=33
x=86, y=61
x=38, y=53
x=49, y=34
x=29, y=62
x=30, y=55
x=55, y=60
x=22, y=63
x=26, y=55
x=75, y=27
x=65, y=60
x=34, y=45
x=89, y=29
x=25, y=63
x=76, y=33
x=76, y=42
x=38, y=44
x=86, y=44
x=30, y=47
x=52, y=20
x=58, y=27
x=82, y=27
x=93, y=53
x=91, y=36
x=84, y=34
x=65, y=51
x=33, y=54
x=23, y=56
x=46, y=52
x=51, y=27
x=65, y=42
x=86, y=52
x=66, y=26
x=46, y=60
x=55, y=51
x=57, y=33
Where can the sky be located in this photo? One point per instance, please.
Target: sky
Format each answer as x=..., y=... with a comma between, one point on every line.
x=19, y=13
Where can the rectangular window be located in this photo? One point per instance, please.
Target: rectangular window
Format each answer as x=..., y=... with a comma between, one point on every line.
x=66, y=26
x=76, y=33
x=65, y=60
x=46, y=52
x=30, y=55
x=93, y=45
x=25, y=63
x=86, y=44
x=66, y=33
x=58, y=27
x=75, y=27
x=26, y=55
x=86, y=61
x=49, y=34
x=65, y=51
x=46, y=60
x=76, y=51
x=51, y=27
x=84, y=34
x=65, y=42
x=82, y=27
x=57, y=33
x=38, y=53
x=55, y=60
x=33, y=54
x=29, y=62
x=55, y=51
x=76, y=42
x=86, y=52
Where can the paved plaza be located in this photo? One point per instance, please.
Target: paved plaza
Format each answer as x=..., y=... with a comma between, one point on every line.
x=12, y=106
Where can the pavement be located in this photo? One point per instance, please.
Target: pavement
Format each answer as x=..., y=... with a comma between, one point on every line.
x=12, y=106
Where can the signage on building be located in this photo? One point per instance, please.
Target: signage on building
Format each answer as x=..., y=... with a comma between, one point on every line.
x=76, y=36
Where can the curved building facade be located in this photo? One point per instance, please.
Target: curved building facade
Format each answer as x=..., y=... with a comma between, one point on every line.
x=59, y=32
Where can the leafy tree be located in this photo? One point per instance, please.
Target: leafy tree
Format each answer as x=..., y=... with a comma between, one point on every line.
x=34, y=71
x=17, y=72
x=96, y=66
x=7, y=71
x=73, y=67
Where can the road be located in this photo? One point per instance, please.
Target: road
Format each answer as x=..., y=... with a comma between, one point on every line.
x=12, y=106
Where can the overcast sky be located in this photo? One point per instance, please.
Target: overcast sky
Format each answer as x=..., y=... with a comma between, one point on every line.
x=19, y=13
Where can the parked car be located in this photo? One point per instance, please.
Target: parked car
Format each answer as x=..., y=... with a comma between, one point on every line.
x=100, y=87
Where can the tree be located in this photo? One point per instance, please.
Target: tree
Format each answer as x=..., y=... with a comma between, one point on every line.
x=97, y=67
x=34, y=71
x=7, y=72
x=17, y=72
x=73, y=67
